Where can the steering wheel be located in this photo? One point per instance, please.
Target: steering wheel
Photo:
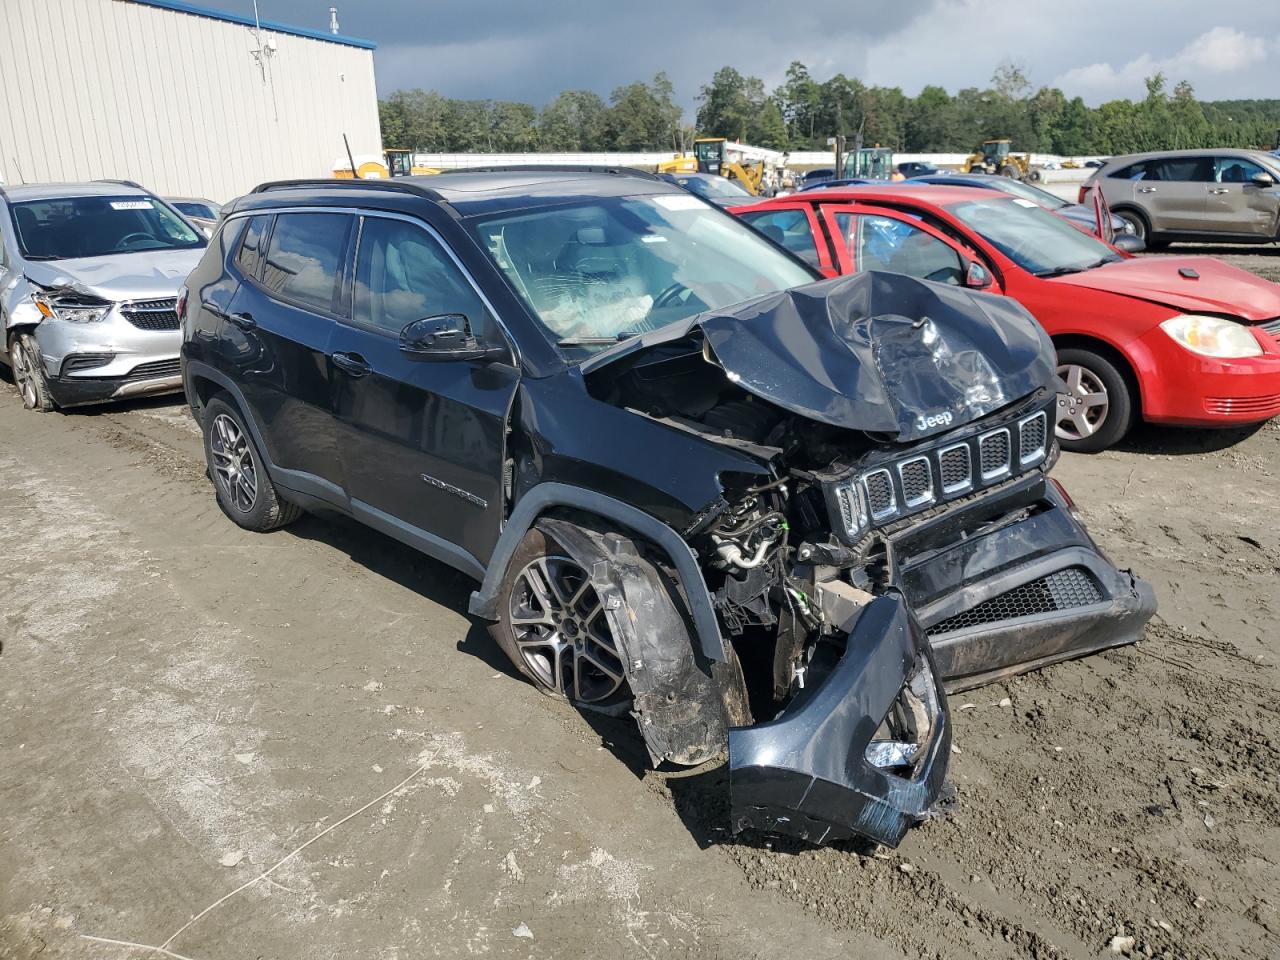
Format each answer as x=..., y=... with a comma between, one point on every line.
x=130, y=238
x=671, y=295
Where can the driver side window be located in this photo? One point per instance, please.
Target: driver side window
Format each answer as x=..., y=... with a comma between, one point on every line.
x=883, y=243
x=403, y=275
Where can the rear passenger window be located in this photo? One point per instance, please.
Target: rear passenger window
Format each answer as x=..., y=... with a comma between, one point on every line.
x=789, y=229
x=1182, y=170
x=304, y=258
x=249, y=256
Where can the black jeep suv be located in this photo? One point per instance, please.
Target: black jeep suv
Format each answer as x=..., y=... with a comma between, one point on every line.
x=752, y=509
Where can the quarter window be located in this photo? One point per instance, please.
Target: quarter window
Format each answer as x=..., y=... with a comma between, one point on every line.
x=789, y=229
x=403, y=275
x=249, y=256
x=304, y=257
x=883, y=243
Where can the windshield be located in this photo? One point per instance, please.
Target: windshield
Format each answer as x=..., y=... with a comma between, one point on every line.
x=1027, y=192
x=597, y=272
x=68, y=227
x=712, y=187
x=197, y=208
x=1036, y=240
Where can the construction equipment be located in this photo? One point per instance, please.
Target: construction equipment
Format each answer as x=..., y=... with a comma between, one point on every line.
x=710, y=155
x=394, y=162
x=864, y=163
x=996, y=158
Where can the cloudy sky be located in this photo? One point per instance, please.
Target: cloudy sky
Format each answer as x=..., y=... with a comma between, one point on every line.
x=524, y=50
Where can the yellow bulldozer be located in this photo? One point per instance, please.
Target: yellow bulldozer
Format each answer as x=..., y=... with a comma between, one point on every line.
x=996, y=158
x=394, y=162
x=710, y=155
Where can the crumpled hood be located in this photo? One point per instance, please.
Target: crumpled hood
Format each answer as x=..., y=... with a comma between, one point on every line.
x=883, y=353
x=1220, y=288
x=151, y=274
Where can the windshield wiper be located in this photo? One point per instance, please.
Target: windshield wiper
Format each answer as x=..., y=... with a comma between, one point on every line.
x=595, y=341
x=1063, y=271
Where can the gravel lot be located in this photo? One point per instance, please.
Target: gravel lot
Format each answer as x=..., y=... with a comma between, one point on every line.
x=184, y=704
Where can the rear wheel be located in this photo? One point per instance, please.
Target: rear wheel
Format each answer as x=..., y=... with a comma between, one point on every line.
x=240, y=482
x=1097, y=409
x=1010, y=171
x=553, y=627
x=28, y=373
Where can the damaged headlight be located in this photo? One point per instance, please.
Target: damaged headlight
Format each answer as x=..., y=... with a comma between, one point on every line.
x=908, y=728
x=1212, y=336
x=71, y=311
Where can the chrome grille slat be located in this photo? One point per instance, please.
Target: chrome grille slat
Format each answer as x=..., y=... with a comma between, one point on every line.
x=955, y=467
x=916, y=476
x=881, y=497
x=1033, y=434
x=151, y=314
x=993, y=455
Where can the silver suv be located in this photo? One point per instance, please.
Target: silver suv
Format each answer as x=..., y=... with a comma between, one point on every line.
x=89, y=279
x=1211, y=196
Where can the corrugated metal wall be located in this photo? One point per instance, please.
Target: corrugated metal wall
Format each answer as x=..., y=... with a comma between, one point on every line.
x=109, y=88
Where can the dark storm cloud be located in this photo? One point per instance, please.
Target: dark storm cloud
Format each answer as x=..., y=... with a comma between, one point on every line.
x=530, y=51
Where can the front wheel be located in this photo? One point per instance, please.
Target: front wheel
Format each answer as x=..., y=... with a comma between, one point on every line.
x=1010, y=171
x=1097, y=409
x=553, y=627
x=240, y=482
x=28, y=373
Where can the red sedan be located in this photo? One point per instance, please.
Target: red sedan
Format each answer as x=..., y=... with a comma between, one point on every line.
x=1176, y=340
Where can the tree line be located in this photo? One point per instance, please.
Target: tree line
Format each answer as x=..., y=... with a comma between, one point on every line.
x=802, y=113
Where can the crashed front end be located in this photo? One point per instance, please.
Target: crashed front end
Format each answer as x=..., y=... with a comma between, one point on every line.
x=896, y=536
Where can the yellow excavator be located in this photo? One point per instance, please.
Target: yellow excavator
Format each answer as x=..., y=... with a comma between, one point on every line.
x=996, y=158
x=710, y=156
x=394, y=162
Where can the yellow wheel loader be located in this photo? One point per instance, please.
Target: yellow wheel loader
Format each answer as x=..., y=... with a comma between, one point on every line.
x=996, y=158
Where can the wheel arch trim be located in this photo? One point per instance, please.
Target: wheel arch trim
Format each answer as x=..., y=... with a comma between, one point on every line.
x=550, y=494
x=1128, y=368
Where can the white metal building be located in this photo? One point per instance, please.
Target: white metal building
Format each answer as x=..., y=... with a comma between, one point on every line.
x=185, y=100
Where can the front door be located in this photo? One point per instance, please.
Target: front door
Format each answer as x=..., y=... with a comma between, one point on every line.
x=1236, y=204
x=422, y=442
x=795, y=228
x=871, y=239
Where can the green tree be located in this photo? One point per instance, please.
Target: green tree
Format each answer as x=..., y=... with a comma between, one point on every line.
x=575, y=120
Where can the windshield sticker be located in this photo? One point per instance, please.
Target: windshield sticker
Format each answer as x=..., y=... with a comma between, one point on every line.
x=652, y=238
x=1025, y=203
x=685, y=202
x=130, y=204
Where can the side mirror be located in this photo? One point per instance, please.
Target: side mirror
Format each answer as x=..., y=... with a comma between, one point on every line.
x=976, y=276
x=446, y=337
x=1263, y=179
x=1129, y=243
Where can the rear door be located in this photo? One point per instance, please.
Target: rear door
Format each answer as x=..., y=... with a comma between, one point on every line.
x=795, y=227
x=1174, y=193
x=422, y=442
x=276, y=338
x=1235, y=204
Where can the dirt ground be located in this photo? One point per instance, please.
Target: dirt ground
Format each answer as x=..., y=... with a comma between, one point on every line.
x=185, y=706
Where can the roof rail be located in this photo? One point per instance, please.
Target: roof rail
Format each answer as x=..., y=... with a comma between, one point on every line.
x=619, y=171
x=124, y=183
x=343, y=184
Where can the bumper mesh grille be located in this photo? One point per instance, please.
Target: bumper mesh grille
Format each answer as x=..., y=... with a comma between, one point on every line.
x=156, y=368
x=880, y=493
x=917, y=481
x=957, y=474
x=1063, y=590
x=152, y=314
x=1031, y=438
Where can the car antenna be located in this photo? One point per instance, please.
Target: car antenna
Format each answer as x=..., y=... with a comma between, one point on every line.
x=350, y=159
x=21, y=179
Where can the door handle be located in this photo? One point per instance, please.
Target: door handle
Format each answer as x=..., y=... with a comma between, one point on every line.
x=1146, y=189
x=1219, y=190
x=244, y=321
x=352, y=363
x=213, y=308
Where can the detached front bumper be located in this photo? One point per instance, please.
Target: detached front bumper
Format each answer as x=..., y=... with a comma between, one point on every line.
x=1027, y=587
x=807, y=773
